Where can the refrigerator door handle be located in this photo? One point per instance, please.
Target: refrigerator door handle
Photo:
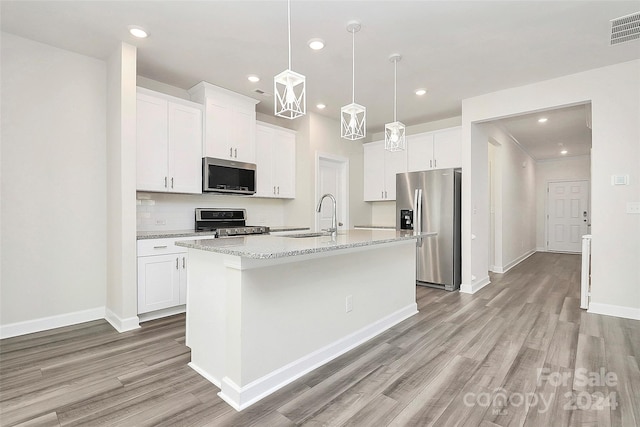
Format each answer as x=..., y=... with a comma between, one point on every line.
x=419, y=214
x=415, y=211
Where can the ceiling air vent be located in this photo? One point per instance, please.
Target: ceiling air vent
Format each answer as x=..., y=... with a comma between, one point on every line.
x=625, y=28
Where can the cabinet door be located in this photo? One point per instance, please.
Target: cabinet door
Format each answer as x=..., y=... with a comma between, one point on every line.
x=151, y=143
x=217, y=130
x=374, y=179
x=185, y=149
x=158, y=282
x=243, y=125
x=394, y=162
x=447, y=148
x=264, y=161
x=284, y=164
x=420, y=152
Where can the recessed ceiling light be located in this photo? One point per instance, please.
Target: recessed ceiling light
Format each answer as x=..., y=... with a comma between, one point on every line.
x=542, y=120
x=253, y=78
x=564, y=152
x=421, y=92
x=138, y=32
x=316, y=44
x=321, y=106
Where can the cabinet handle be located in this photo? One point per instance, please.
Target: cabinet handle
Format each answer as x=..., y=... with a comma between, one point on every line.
x=171, y=182
x=235, y=150
x=177, y=263
x=278, y=189
x=274, y=189
x=160, y=247
x=165, y=182
x=385, y=194
x=230, y=152
x=430, y=163
x=435, y=163
x=382, y=194
x=183, y=262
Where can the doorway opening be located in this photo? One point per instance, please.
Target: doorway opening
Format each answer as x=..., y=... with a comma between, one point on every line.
x=332, y=176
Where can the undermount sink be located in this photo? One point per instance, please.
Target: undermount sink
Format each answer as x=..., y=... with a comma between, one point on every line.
x=302, y=235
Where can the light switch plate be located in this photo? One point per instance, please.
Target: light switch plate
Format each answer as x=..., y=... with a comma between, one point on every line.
x=633, y=208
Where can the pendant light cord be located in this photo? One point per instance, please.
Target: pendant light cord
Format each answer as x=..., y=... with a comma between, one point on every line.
x=289, y=27
x=353, y=66
x=395, y=88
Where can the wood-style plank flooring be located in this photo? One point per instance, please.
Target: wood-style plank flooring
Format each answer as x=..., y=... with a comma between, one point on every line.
x=518, y=352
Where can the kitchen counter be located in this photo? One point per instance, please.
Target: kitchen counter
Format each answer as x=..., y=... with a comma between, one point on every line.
x=270, y=247
x=166, y=234
x=251, y=297
x=375, y=227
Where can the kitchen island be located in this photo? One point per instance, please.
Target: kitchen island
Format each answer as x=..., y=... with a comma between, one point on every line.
x=264, y=310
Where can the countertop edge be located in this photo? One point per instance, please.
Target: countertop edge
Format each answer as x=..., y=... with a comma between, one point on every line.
x=285, y=254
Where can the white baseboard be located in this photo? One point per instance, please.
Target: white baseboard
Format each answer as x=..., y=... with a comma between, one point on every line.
x=475, y=287
x=119, y=324
x=51, y=322
x=513, y=263
x=242, y=397
x=614, y=310
x=541, y=249
x=204, y=373
x=159, y=314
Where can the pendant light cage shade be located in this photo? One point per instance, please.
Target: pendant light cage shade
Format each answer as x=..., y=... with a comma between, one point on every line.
x=395, y=137
x=353, y=119
x=394, y=133
x=290, y=97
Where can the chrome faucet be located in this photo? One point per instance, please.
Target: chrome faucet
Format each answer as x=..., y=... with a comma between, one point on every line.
x=334, y=221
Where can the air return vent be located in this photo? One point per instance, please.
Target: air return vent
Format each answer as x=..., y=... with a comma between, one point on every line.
x=625, y=28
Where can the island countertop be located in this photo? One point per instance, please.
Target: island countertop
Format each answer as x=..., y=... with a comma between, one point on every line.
x=270, y=247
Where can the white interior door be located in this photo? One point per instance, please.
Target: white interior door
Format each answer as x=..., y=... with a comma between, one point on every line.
x=567, y=215
x=332, y=178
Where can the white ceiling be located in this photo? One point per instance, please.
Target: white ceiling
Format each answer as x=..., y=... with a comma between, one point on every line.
x=565, y=129
x=456, y=49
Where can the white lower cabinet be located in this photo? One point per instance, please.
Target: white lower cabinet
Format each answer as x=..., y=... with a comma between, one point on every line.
x=162, y=274
x=162, y=281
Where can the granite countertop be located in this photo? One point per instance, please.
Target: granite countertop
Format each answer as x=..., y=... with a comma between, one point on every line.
x=270, y=247
x=167, y=234
x=381, y=227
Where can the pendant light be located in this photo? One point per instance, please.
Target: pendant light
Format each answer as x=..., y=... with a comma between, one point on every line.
x=394, y=133
x=353, y=116
x=289, y=86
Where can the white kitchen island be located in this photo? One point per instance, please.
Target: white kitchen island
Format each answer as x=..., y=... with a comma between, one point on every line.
x=264, y=310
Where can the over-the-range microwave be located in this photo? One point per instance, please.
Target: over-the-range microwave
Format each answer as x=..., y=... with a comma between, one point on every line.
x=228, y=176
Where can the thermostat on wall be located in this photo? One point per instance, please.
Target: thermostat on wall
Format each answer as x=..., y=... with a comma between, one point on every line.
x=619, y=179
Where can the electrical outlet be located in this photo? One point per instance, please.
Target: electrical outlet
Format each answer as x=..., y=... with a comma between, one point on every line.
x=348, y=303
x=161, y=222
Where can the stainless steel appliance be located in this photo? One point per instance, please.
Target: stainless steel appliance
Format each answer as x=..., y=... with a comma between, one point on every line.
x=228, y=176
x=226, y=222
x=431, y=201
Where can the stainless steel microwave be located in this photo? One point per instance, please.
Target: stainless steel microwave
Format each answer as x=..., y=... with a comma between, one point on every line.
x=228, y=176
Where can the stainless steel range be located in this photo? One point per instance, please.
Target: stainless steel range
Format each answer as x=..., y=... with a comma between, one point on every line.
x=226, y=222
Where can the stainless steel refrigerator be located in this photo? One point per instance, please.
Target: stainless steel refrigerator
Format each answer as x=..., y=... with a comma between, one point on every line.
x=431, y=201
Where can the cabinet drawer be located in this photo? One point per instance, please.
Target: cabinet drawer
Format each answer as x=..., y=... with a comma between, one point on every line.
x=158, y=247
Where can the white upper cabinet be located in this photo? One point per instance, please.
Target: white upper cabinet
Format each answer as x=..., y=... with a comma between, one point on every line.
x=275, y=162
x=447, y=148
x=435, y=150
x=168, y=144
x=380, y=169
x=230, y=123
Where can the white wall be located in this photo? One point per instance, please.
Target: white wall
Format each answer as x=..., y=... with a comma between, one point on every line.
x=122, y=307
x=614, y=93
x=53, y=182
x=562, y=169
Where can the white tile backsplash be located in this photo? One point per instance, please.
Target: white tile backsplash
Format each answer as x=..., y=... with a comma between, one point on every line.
x=160, y=211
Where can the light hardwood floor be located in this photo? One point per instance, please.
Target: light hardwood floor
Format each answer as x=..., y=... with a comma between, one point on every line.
x=470, y=360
